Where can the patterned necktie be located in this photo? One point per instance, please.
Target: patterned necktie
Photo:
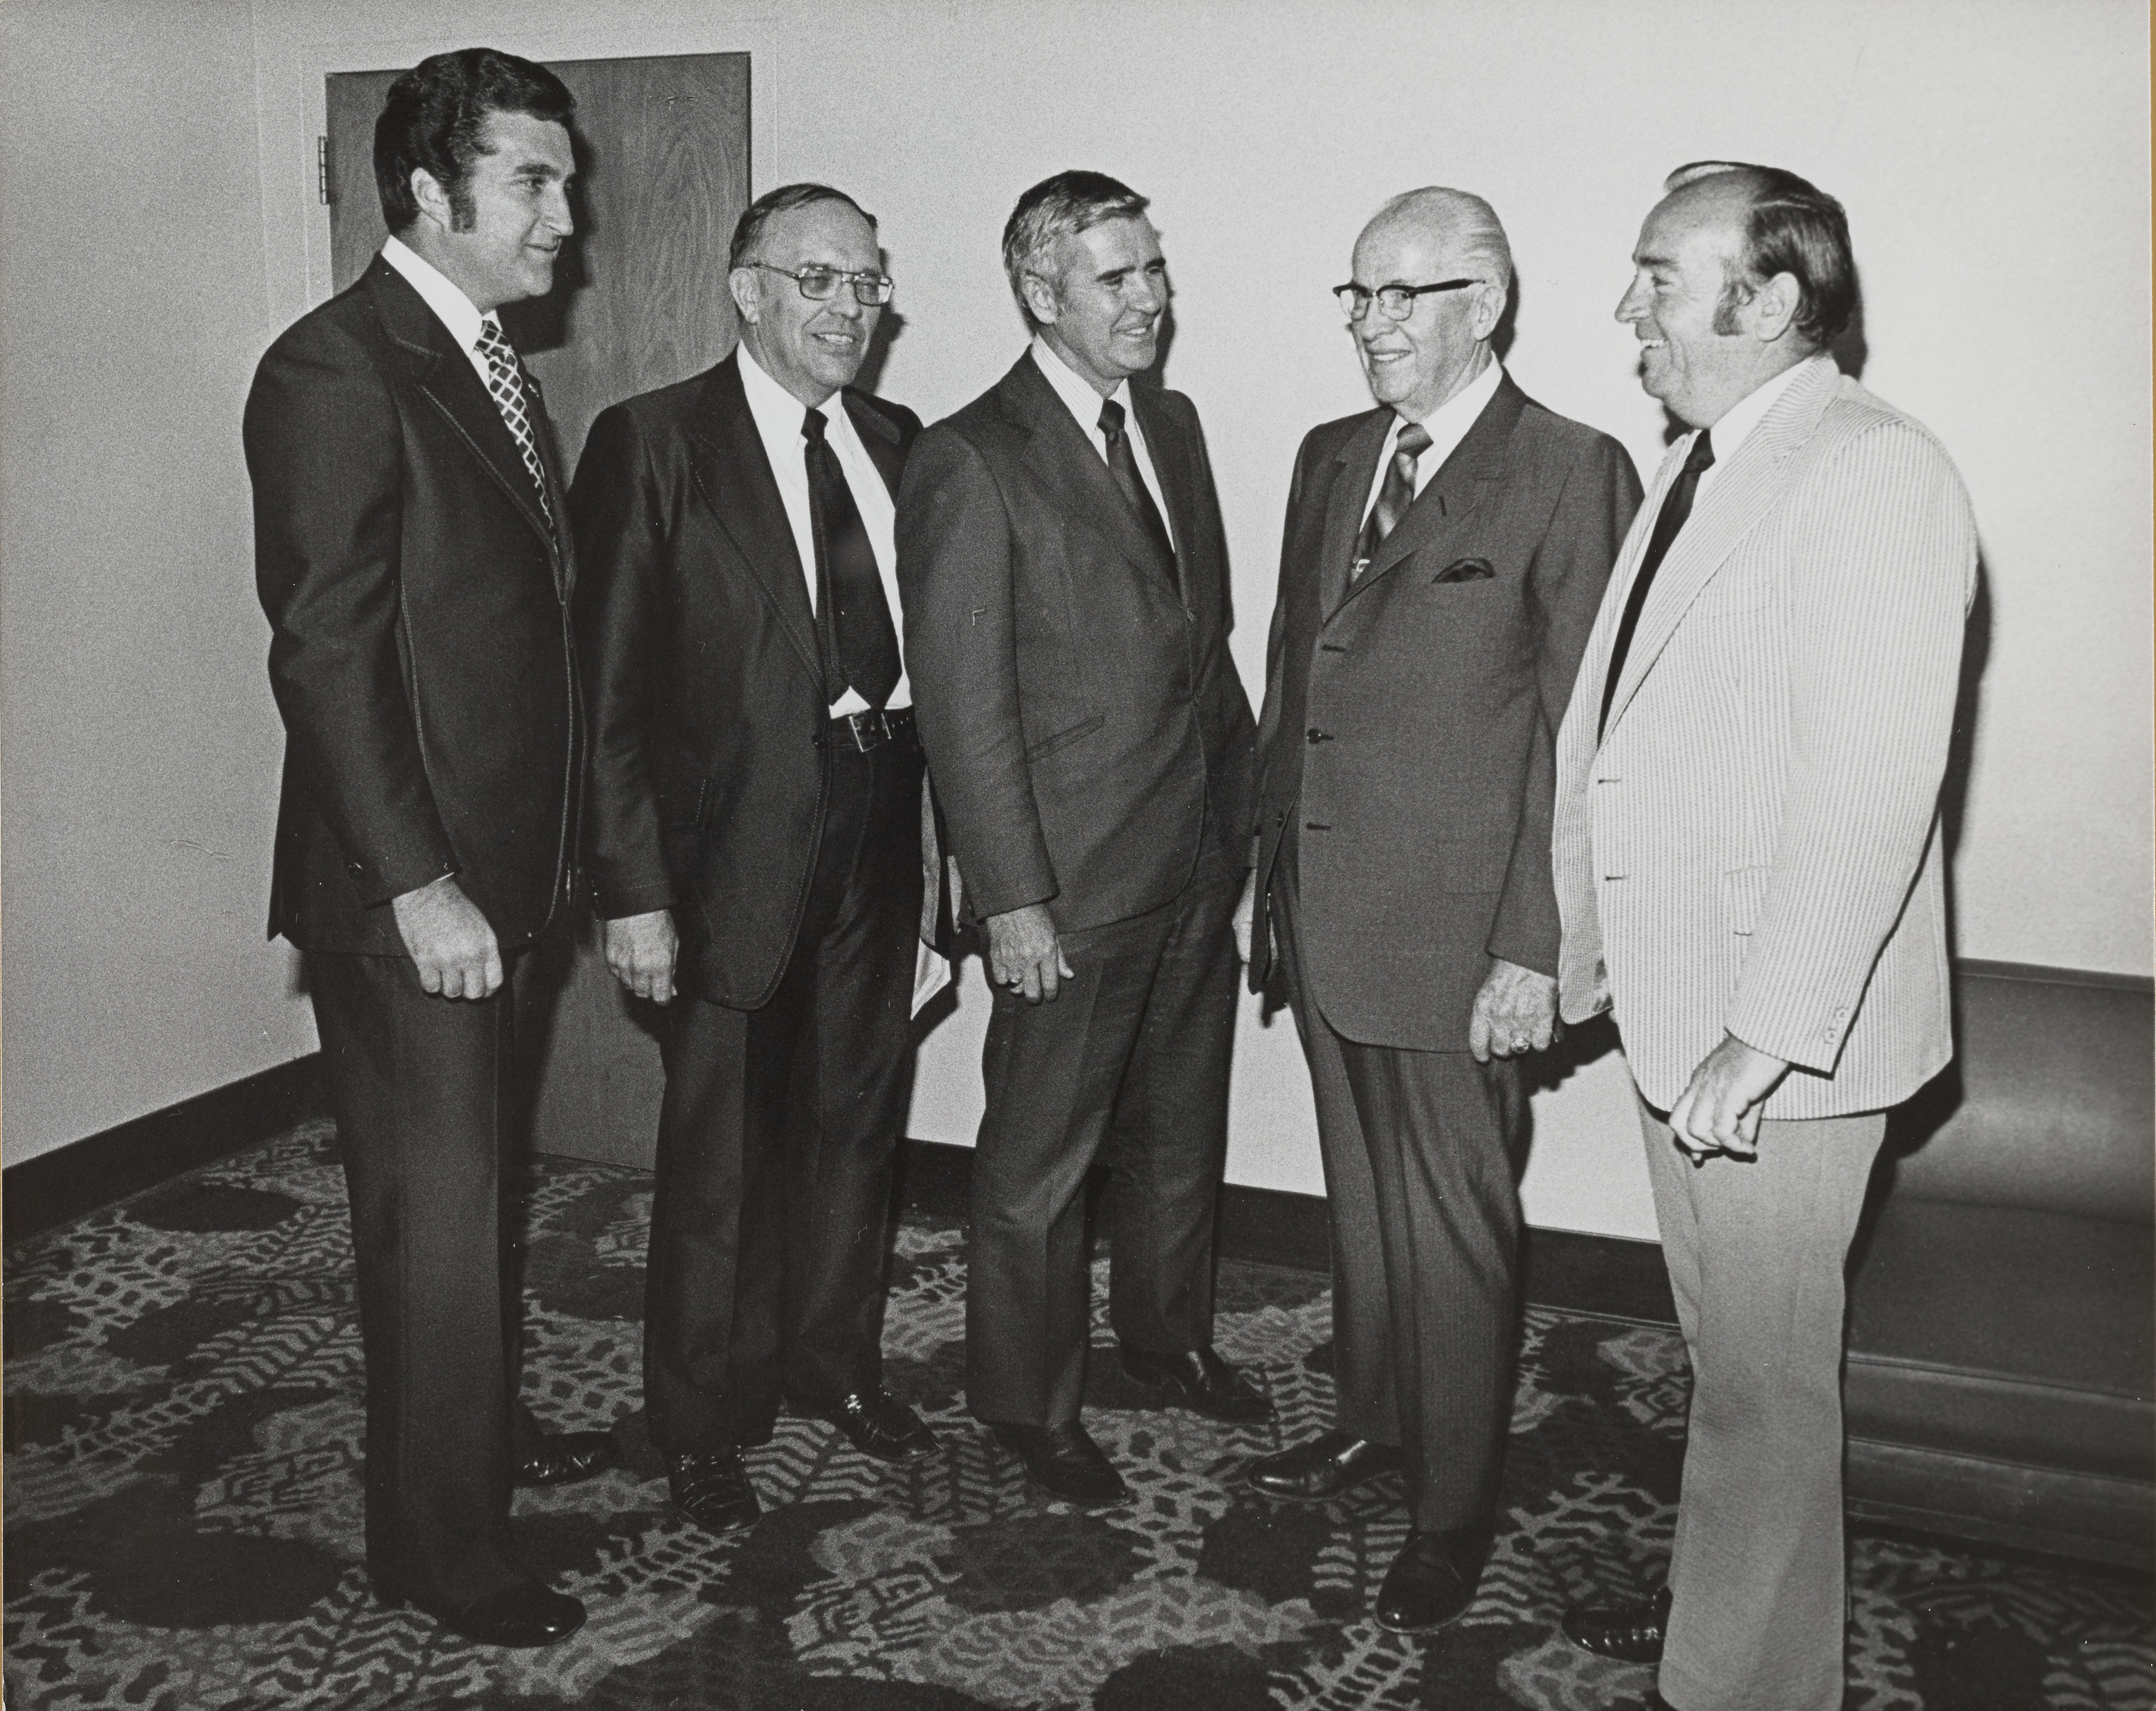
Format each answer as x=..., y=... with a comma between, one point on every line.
x=1675, y=508
x=851, y=609
x=1394, y=498
x=506, y=381
x=1123, y=466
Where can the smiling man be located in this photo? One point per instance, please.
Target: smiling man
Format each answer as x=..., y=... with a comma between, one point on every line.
x=755, y=843
x=1066, y=618
x=1749, y=867
x=1445, y=556
x=411, y=554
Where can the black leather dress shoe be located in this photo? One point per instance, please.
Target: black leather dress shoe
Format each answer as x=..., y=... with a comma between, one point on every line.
x=530, y=1615
x=877, y=1424
x=1431, y=1581
x=1063, y=1462
x=1630, y=1632
x=1198, y=1379
x=1319, y=1470
x=713, y=1490
x=564, y=1457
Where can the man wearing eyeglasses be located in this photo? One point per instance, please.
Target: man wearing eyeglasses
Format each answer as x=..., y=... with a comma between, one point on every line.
x=1445, y=556
x=755, y=849
x=1066, y=585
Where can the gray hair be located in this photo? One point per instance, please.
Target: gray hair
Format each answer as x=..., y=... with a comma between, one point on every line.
x=1055, y=209
x=1466, y=220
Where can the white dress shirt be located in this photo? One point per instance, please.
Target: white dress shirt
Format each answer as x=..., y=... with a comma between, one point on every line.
x=1084, y=402
x=779, y=416
x=452, y=308
x=1738, y=421
x=1447, y=425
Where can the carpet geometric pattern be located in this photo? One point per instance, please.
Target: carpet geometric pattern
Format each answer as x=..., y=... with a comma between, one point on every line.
x=182, y=1514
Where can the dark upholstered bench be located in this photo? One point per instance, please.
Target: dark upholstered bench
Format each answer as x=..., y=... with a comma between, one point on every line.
x=2003, y=1300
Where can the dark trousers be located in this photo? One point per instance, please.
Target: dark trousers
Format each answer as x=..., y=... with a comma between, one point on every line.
x=1424, y=1207
x=428, y=1092
x=1131, y=1056
x=775, y=1137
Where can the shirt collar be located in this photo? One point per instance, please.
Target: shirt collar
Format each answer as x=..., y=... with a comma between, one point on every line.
x=779, y=415
x=1448, y=424
x=1748, y=412
x=452, y=308
x=1080, y=396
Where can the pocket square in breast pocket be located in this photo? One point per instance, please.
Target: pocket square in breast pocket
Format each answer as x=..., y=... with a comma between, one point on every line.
x=1466, y=570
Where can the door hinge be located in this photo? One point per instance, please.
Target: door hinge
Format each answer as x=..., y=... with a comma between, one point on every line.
x=322, y=169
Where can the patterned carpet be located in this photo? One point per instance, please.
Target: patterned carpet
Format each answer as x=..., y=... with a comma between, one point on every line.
x=182, y=1524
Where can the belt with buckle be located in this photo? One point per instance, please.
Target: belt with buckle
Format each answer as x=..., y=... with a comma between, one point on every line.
x=870, y=730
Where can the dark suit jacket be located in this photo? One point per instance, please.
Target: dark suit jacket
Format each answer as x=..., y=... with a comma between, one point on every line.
x=1074, y=691
x=1410, y=717
x=708, y=715
x=420, y=650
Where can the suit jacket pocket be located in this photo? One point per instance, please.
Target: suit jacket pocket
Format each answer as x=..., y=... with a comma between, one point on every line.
x=1067, y=736
x=1466, y=570
x=1743, y=895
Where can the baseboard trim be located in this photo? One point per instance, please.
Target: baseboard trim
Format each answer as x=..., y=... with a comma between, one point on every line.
x=57, y=1187
x=1577, y=1273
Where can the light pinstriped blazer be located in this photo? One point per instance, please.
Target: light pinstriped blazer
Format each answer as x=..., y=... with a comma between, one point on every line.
x=1754, y=846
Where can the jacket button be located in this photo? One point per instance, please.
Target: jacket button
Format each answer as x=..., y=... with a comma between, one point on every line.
x=1314, y=736
x=358, y=869
x=1280, y=819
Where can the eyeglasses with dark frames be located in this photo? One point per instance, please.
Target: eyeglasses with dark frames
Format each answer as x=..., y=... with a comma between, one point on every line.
x=1397, y=302
x=819, y=285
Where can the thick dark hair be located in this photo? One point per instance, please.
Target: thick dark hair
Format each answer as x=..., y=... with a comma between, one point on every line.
x=1069, y=203
x=434, y=115
x=1792, y=227
x=757, y=214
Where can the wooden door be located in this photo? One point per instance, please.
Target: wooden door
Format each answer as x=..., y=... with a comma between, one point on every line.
x=640, y=300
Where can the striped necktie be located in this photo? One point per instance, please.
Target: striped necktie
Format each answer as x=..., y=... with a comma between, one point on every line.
x=1394, y=498
x=506, y=381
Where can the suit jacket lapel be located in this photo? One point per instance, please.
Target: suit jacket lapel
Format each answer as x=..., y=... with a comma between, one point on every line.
x=448, y=381
x=1352, y=472
x=1064, y=461
x=1452, y=495
x=879, y=437
x=727, y=460
x=1171, y=464
x=1736, y=501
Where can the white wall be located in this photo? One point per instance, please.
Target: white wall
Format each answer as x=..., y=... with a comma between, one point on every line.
x=1992, y=154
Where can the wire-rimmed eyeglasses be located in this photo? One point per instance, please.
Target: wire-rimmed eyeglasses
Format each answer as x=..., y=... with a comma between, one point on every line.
x=819, y=285
x=1397, y=302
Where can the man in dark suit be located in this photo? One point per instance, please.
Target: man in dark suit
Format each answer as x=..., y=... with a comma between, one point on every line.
x=1445, y=556
x=755, y=843
x=1066, y=616
x=410, y=555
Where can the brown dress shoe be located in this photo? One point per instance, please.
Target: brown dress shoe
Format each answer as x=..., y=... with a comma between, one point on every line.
x=564, y=1457
x=1065, y=1462
x=877, y=1424
x=1630, y=1632
x=1432, y=1580
x=1198, y=1380
x=1319, y=1470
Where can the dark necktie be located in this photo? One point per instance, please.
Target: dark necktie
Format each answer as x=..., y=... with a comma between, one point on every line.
x=1394, y=498
x=506, y=381
x=1677, y=506
x=860, y=644
x=1123, y=466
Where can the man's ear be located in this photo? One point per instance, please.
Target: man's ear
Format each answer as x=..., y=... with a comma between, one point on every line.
x=433, y=199
x=747, y=285
x=1039, y=298
x=1489, y=311
x=1772, y=308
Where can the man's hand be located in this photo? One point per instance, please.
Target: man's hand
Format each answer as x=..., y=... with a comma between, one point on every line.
x=450, y=942
x=1718, y=1112
x=640, y=950
x=1246, y=909
x=1515, y=1010
x=1024, y=954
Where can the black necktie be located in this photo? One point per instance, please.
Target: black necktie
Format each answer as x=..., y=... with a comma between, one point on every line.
x=1394, y=498
x=1123, y=466
x=1677, y=506
x=860, y=644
